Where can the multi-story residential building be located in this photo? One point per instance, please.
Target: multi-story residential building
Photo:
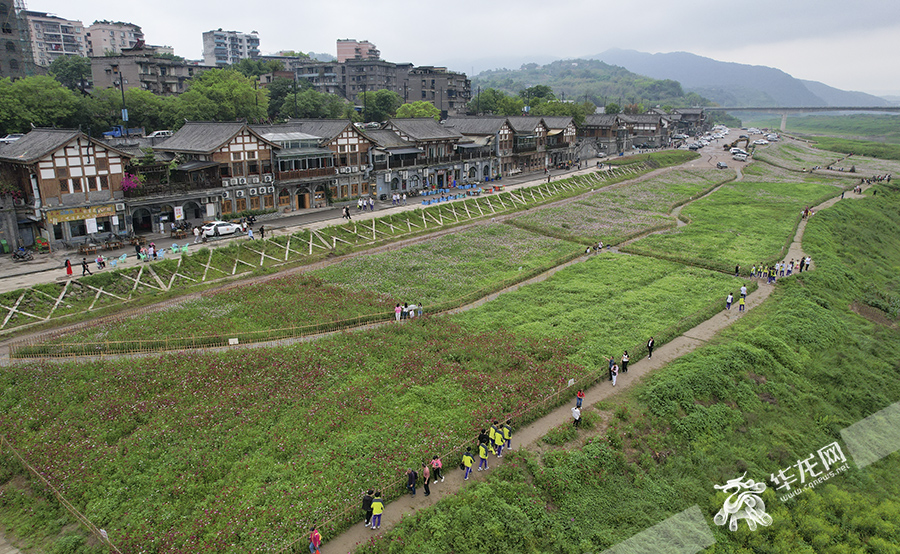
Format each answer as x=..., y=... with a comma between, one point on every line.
x=690, y=120
x=141, y=67
x=16, y=57
x=529, y=144
x=105, y=37
x=52, y=37
x=561, y=138
x=448, y=91
x=495, y=133
x=70, y=185
x=648, y=130
x=349, y=49
x=221, y=48
x=606, y=132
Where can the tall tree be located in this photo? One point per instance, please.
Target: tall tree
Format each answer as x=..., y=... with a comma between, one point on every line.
x=420, y=108
x=223, y=95
x=612, y=108
x=74, y=72
x=255, y=68
x=313, y=104
x=380, y=105
x=40, y=101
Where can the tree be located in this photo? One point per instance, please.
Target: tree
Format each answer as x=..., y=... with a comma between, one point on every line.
x=312, y=104
x=255, y=68
x=41, y=101
x=578, y=111
x=223, y=95
x=420, y=108
x=74, y=72
x=293, y=54
x=379, y=105
x=612, y=108
x=537, y=94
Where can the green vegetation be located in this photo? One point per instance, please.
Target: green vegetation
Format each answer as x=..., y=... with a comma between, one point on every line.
x=774, y=388
x=744, y=223
x=860, y=147
x=616, y=214
x=881, y=128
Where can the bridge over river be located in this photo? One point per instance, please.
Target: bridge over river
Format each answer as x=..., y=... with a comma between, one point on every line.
x=783, y=112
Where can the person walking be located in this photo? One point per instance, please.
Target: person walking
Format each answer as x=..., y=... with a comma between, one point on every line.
x=482, y=456
x=498, y=442
x=576, y=417
x=250, y=233
x=315, y=540
x=262, y=232
x=741, y=302
x=737, y=270
x=579, y=398
x=615, y=373
x=650, y=348
x=728, y=300
x=507, y=434
x=612, y=362
x=426, y=477
x=468, y=461
x=437, y=466
x=377, y=510
x=397, y=310
x=84, y=267
x=367, y=506
x=68, y=267
x=625, y=360
x=196, y=235
x=492, y=434
x=808, y=261
x=411, y=478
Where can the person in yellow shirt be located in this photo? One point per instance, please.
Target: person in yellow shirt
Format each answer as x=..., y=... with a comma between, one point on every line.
x=507, y=434
x=468, y=461
x=498, y=442
x=377, y=510
x=483, y=456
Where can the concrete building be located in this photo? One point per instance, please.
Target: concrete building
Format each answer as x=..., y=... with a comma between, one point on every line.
x=221, y=48
x=52, y=37
x=16, y=58
x=349, y=49
x=448, y=91
x=142, y=68
x=111, y=37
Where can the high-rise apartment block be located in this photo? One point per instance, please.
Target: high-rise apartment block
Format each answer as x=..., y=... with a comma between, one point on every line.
x=16, y=59
x=221, y=48
x=105, y=37
x=349, y=49
x=52, y=37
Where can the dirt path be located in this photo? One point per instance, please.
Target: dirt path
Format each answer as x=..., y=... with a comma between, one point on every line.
x=529, y=436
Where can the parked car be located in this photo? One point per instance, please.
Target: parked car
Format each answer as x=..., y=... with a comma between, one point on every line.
x=760, y=142
x=740, y=157
x=721, y=165
x=160, y=134
x=217, y=228
x=11, y=138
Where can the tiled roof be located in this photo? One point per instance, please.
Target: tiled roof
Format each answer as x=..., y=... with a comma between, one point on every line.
x=601, y=120
x=641, y=118
x=476, y=125
x=386, y=138
x=325, y=128
x=40, y=142
x=689, y=111
x=423, y=128
x=524, y=123
x=557, y=121
x=203, y=137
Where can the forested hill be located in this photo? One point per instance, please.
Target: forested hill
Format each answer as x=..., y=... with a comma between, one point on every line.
x=594, y=80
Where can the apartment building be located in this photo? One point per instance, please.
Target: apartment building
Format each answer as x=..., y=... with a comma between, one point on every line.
x=16, y=59
x=104, y=37
x=448, y=91
x=140, y=67
x=52, y=37
x=349, y=49
x=221, y=48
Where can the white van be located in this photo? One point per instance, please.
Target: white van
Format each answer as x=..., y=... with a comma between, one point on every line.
x=160, y=134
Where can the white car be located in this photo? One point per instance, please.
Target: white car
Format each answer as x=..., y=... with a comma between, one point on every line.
x=740, y=157
x=217, y=228
x=760, y=142
x=160, y=134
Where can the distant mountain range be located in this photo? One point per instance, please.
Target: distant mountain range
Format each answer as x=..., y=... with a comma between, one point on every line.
x=735, y=84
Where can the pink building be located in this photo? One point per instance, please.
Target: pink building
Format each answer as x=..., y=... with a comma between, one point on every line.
x=349, y=49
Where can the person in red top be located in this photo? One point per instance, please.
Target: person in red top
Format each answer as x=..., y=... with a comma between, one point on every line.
x=315, y=540
x=579, y=398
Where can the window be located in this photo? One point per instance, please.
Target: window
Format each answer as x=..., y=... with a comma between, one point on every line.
x=342, y=148
x=252, y=168
x=237, y=169
x=76, y=185
x=64, y=186
x=251, y=155
x=92, y=183
x=104, y=183
x=235, y=155
x=7, y=29
x=224, y=170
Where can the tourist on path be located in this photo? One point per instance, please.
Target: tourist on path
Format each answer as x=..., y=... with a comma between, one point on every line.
x=625, y=359
x=437, y=466
x=579, y=398
x=576, y=417
x=728, y=300
x=650, y=348
x=498, y=442
x=377, y=510
x=482, y=456
x=743, y=291
x=411, y=478
x=367, y=506
x=467, y=462
x=426, y=477
x=507, y=434
x=315, y=540
x=615, y=373
x=68, y=267
x=741, y=302
x=84, y=267
x=262, y=232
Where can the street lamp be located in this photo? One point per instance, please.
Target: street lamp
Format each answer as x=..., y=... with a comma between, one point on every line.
x=117, y=70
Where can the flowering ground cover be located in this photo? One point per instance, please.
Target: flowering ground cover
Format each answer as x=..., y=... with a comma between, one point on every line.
x=434, y=272
x=235, y=452
x=743, y=223
x=615, y=214
x=797, y=155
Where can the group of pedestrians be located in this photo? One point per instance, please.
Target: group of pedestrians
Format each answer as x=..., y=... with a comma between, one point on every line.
x=407, y=311
x=741, y=301
x=398, y=199
x=780, y=269
x=363, y=204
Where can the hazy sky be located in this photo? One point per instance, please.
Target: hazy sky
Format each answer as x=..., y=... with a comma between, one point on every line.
x=848, y=45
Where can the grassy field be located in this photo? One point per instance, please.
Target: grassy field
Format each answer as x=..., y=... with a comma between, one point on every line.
x=617, y=213
x=192, y=448
x=743, y=223
x=880, y=128
x=771, y=390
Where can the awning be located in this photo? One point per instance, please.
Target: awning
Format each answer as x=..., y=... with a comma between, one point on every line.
x=398, y=151
x=551, y=133
x=196, y=165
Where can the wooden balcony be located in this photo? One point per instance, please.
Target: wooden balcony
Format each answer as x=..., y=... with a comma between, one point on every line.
x=305, y=173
